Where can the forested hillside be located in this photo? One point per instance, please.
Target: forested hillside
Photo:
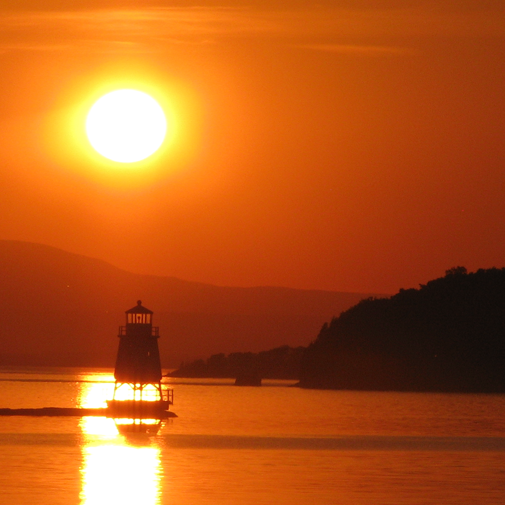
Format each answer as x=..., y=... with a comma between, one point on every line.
x=448, y=335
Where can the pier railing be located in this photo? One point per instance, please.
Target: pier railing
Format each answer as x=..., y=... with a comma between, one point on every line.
x=168, y=395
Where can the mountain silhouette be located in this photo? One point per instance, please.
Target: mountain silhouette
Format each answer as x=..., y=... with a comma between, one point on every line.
x=64, y=309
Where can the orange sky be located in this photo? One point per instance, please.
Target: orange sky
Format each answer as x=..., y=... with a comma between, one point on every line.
x=351, y=146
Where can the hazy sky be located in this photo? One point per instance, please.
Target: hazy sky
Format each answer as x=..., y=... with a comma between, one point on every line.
x=343, y=145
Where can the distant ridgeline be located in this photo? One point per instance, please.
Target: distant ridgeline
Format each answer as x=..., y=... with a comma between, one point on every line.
x=279, y=363
x=449, y=335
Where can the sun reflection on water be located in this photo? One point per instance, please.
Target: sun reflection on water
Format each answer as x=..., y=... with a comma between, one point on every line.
x=120, y=473
x=95, y=390
x=115, y=469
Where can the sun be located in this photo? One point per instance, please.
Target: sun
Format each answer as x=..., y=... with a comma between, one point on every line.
x=126, y=126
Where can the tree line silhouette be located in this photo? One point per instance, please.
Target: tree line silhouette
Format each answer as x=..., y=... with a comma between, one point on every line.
x=279, y=363
x=448, y=335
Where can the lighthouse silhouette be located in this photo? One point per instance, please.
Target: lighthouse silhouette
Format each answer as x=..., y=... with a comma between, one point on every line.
x=138, y=391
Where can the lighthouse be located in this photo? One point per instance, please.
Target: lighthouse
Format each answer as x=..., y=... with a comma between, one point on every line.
x=138, y=391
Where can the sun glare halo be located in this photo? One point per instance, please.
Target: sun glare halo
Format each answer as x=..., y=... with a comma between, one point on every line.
x=126, y=126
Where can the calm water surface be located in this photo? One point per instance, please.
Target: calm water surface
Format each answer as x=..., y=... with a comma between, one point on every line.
x=270, y=445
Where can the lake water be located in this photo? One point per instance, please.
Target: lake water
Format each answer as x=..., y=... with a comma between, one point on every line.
x=243, y=445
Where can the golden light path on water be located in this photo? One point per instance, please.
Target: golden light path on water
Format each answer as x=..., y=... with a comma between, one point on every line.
x=113, y=469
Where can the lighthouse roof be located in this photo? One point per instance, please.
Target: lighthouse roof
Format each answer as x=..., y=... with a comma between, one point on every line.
x=139, y=309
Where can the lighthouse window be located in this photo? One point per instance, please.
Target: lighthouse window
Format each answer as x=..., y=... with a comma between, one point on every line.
x=138, y=318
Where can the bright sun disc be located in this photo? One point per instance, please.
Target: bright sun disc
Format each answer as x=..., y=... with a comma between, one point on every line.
x=126, y=125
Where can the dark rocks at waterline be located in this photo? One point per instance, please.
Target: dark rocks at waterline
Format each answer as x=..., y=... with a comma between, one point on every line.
x=70, y=412
x=248, y=379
